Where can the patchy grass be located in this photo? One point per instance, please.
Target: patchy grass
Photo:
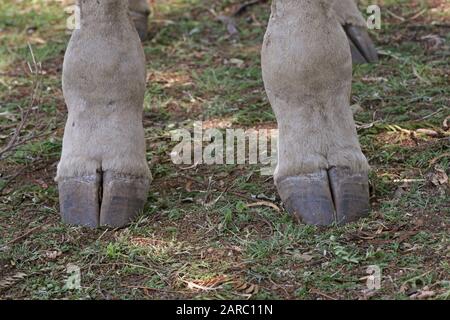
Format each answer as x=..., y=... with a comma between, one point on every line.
x=198, y=237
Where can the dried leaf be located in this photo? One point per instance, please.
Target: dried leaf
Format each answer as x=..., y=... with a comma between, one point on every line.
x=439, y=177
x=188, y=186
x=446, y=124
x=52, y=255
x=12, y=280
x=41, y=183
x=194, y=286
x=374, y=79
x=303, y=256
x=8, y=115
x=428, y=132
x=264, y=203
x=246, y=288
x=361, y=126
x=252, y=289
x=241, y=286
x=237, y=62
x=433, y=41
x=36, y=40
x=207, y=285
x=436, y=159
x=403, y=288
x=146, y=242
x=423, y=294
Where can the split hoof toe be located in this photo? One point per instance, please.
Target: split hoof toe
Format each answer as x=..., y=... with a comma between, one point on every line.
x=124, y=198
x=362, y=47
x=107, y=199
x=336, y=196
x=308, y=198
x=140, y=21
x=79, y=200
x=350, y=194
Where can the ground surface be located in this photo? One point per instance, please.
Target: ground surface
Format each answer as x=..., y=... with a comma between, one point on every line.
x=216, y=231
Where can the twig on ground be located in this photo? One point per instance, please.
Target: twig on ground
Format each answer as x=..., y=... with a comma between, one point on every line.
x=395, y=16
x=20, y=172
x=429, y=115
x=36, y=71
x=26, y=234
x=322, y=294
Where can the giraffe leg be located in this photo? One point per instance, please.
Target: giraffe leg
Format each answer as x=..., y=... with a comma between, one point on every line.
x=103, y=177
x=322, y=175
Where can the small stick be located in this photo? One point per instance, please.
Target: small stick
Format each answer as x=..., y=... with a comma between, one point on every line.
x=23, y=235
x=322, y=294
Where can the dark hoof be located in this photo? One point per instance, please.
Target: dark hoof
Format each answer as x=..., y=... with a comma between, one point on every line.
x=79, y=200
x=362, y=46
x=140, y=21
x=308, y=198
x=336, y=196
x=110, y=199
x=350, y=193
x=124, y=198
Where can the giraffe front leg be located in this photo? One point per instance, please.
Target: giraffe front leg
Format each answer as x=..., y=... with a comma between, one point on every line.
x=103, y=177
x=322, y=175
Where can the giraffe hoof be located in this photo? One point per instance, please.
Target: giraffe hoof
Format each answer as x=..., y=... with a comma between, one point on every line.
x=123, y=199
x=362, y=47
x=109, y=199
x=308, y=198
x=79, y=199
x=140, y=21
x=336, y=196
x=350, y=193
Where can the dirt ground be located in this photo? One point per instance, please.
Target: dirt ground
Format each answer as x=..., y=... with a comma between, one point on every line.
x=220, y=231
